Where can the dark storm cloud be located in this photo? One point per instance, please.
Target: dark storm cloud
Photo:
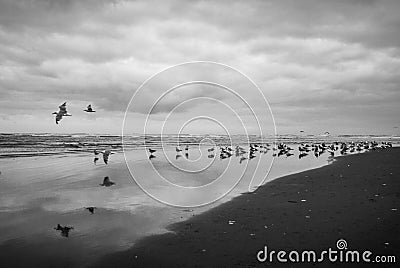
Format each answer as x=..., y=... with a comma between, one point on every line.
x=372, y=23
x=46, y=15
x=333, y=54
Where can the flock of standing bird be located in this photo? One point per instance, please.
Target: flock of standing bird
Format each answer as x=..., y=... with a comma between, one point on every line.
x=282, y=149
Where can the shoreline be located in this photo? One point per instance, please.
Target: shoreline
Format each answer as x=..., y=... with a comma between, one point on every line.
x=356, y=198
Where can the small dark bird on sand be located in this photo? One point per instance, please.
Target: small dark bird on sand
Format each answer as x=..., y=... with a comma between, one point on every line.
x=106, y=155
x=91, y=209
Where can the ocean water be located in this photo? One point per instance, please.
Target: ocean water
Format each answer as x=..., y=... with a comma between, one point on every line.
x=48, y=179
x=15, y=145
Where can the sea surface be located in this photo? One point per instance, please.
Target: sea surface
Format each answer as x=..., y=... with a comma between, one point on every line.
x=49, y=179
x=29, y=144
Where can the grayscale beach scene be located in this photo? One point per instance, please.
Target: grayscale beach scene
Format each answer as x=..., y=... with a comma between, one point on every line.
x=199, y=133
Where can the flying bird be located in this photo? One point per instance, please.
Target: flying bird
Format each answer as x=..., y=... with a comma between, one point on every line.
x=61, y=112
x=89, y=109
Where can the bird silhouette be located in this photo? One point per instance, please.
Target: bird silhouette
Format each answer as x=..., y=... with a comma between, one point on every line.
x=89, y=109
x=91, y=209
x=106, y=155
x=61, y=112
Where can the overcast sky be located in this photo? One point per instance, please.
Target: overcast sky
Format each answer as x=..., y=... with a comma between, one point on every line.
x=322, y=65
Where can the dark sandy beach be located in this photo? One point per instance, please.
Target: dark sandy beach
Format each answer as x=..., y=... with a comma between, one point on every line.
x=356, y=198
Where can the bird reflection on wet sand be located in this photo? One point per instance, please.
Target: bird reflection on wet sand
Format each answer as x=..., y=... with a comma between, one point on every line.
x=64, y=230
x=107, y=182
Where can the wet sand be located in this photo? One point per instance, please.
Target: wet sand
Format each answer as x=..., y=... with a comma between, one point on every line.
x=356, y=198
x=37, y=193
